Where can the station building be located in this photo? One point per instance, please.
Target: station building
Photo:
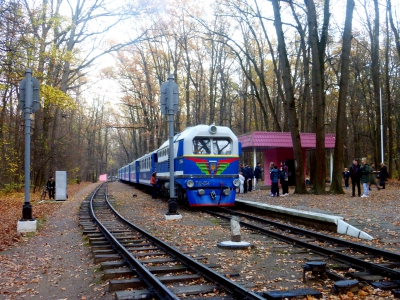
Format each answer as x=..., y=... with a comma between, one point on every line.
x=278, y=146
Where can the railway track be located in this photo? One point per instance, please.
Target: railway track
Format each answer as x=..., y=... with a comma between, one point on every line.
x=141, y=266
x=376, y=267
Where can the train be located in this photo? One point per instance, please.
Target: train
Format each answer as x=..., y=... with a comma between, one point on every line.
x=206, y=164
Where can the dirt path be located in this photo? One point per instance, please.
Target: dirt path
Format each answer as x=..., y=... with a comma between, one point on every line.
x=54, y=264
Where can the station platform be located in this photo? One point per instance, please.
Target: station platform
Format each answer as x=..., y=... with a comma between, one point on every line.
x=313, y=219
x=375, y=218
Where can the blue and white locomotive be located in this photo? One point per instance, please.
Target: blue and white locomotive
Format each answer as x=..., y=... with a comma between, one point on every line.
x=206, y=164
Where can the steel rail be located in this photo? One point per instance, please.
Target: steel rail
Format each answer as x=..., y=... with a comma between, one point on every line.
x=155, y=286
x=229, y=286
x=320, y=236
x=344, y=258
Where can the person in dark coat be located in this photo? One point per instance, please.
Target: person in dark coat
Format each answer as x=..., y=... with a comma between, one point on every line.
x=274, y=176
x=258, y=175
x=365, y=176
x=372, y=177
x=244, y=173
x=383, y=175
x=346, y=176
x=284, y=177
x=250, y=175
x=355, y=175
x=271, y=167
x=51, y=187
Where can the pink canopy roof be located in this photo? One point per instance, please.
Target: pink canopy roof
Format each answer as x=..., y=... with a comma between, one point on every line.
x=264, y=140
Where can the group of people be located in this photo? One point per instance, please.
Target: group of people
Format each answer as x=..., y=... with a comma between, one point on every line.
x=358, y=173
x=246, y=175
x=365, y=174
x=279, y=175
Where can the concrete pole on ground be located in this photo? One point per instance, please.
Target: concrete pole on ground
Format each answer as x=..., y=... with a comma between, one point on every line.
x=235, y=229
x=236, y=240
x=27, y=223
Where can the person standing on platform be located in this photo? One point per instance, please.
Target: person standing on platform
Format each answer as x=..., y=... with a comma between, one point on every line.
x=244, y=173
x=258, y=175
x=355, y=175
x=241, y=179
x=284, y=177
x=51, y=187
x=271, y=167
x=383, y=175
x=372, y=177
x=250, y=175
x=274, y=176
x=346, y=176
x=365, y=176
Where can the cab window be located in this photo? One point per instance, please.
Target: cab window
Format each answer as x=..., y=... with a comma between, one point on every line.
x=201, y=146
x=222, y=146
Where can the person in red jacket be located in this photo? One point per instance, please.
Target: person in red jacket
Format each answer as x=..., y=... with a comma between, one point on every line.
x=153, y=182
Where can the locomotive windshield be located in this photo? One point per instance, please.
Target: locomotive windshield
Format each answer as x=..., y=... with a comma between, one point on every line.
x=212, y=146
x=222, y=146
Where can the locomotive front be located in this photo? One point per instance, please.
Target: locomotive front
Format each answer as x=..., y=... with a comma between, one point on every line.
x=206, y=165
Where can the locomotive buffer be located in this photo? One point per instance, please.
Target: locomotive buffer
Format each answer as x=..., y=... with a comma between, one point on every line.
x=169, y=107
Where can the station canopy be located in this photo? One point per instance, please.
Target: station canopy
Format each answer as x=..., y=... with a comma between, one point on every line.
x=262, y=140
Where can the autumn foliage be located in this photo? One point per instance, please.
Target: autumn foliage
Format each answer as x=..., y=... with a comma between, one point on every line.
x=11, y=208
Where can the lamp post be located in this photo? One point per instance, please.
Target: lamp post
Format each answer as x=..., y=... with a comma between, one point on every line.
x=29, y=103
x=380, y=106
x=170, y=106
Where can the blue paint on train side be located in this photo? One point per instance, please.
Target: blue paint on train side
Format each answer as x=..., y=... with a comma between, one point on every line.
x=206, y=164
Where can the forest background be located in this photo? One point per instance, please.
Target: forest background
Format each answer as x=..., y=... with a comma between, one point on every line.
x=320, y=66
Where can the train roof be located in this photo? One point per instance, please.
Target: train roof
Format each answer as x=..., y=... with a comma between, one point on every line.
x=204, y=131
x=207, y=130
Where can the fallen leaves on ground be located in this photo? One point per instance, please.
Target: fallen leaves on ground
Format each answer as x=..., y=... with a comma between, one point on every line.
x=199, y=235
x=11, y=212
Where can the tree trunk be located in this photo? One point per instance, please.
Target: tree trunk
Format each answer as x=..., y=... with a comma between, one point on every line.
x=376, y=77
x=341, y=123
x=290, y=101
x=318, y=52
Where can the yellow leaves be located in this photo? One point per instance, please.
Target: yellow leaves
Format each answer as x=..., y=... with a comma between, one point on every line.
x=56, y=97
x=11, y=205
x=362, y=293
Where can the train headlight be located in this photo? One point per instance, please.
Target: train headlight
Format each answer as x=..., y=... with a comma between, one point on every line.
x=226, y=192
x=200, y=192
x=212, y=129
x=166, y=185
x=190, y=183
x=236, y=182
